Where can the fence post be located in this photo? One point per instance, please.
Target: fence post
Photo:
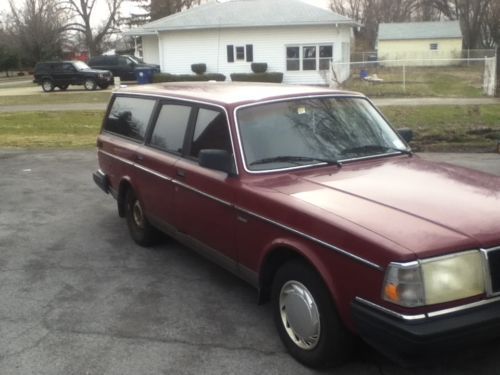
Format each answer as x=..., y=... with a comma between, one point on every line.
x=404, y=77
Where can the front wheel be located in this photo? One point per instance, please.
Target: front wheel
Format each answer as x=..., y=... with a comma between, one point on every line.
x=306, y=317
x=89, y=84
x=141, y=231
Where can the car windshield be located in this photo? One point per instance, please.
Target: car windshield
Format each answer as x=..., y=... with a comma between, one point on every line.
x=80, y=65
x=302, y=132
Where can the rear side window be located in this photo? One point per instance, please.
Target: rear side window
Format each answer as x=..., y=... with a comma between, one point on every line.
x=130, y=117
x=170, y=128
x=211, y=132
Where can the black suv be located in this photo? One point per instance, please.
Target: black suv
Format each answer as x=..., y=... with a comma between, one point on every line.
x=64, y=73
x=122, y=66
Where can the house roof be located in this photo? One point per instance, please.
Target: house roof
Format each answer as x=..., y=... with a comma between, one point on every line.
x=419, y=30
x=244, y=13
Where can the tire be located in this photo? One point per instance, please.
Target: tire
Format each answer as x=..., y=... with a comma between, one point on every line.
x=104, y=86
x=307, y=319
x=47, y=85
x=141, y=231
x=63, y=87
x=89, y=84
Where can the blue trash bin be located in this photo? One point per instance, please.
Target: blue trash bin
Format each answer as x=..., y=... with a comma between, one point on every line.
x=143, y=75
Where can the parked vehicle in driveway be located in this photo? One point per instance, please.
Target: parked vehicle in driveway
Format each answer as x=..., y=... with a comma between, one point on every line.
x=61, y=74
x=312, y=197
x=123, y=66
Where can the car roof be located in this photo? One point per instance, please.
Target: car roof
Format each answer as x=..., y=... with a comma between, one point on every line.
x=231, y=92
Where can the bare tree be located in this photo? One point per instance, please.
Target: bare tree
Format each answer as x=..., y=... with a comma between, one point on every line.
x=472, y=15
x=36, y=29
x=83, y=13
x=163, y=8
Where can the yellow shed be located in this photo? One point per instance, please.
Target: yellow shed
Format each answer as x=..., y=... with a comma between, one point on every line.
x=423, y=43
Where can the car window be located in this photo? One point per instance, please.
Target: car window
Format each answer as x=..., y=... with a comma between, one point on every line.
x=170, y=127
x=130, y=117
x=210, y=132
x=123, y=61
x=68, y=68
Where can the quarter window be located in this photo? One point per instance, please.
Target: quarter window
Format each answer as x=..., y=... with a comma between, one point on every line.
x=170, y=127
x=129, y=117
x=210, y=132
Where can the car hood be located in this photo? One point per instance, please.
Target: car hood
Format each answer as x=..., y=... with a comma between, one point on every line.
x=428, y=208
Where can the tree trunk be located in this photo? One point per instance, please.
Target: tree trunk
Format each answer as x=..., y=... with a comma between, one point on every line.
x=497, y=91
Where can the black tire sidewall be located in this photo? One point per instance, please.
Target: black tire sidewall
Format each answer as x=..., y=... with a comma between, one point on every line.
x=335, y=343
x=146, y=236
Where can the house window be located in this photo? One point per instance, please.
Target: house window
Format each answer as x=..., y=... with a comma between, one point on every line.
x=325, y=56
x=239, y=53
x=309, y=57
x=434, y=46
x=292, y=58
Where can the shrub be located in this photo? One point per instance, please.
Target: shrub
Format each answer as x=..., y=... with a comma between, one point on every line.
x=275, y=77
x=199, y=68
x=166, y=77
x=259, y=67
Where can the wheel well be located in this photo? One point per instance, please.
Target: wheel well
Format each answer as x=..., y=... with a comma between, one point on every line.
x=273, y=262
x=122, y=195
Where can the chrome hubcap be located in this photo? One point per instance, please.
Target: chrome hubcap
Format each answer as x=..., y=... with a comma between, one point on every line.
x=47, y=85
x=300, y=315
x=88, y=85
x=138, y=214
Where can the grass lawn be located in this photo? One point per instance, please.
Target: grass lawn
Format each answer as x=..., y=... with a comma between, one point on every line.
x=57, y=98
x=37, y=130
x=448, y=81
x=472, y=128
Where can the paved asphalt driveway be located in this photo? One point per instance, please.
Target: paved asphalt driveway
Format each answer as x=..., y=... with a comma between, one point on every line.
x=77, y=296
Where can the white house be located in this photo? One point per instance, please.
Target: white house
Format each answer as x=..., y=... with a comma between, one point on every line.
x=291, y=36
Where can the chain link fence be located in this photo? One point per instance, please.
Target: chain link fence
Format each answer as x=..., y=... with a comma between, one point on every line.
x=419, y=77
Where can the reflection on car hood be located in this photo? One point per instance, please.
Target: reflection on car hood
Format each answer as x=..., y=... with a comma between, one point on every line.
x=420, y=205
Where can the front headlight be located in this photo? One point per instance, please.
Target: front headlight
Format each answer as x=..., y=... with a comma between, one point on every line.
x=100, y=75
x=434, y=280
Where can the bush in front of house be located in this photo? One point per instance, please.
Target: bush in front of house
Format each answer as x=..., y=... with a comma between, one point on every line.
x=199, y=68
x=166, y=77
x=259, y=67
x=274, y=77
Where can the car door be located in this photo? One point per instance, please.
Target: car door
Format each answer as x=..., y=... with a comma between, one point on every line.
x=203, y=198
x=155, y=161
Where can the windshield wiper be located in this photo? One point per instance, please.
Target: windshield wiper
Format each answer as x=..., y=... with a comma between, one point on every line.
x=368, y=148
x=296, y=160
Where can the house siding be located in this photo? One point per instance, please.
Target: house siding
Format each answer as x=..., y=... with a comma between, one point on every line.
x=150, y=52
x=419, y=49
x=180, y=49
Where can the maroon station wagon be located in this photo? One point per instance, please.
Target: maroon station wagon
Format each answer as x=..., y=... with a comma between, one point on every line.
x=311, y=196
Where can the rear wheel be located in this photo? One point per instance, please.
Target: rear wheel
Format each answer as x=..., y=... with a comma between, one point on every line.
x=306, y=317
x=47, y=85
x=141, y=231
x=89, y=84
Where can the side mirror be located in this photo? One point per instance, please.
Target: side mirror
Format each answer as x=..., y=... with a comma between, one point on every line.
x=219, y=160
x=406, y=134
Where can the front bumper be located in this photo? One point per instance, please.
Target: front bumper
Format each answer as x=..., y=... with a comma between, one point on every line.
x=422, y=341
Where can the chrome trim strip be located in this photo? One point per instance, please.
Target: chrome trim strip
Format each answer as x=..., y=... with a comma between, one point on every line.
x=123, y=160
x=463, y=307
x=314, y=239
x=154, y=173
x=432, y=314
x=332, y=95
x=390, y=312
x=223, y=202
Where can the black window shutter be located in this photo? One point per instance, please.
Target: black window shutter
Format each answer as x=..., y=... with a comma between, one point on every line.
x=249, y=52
x=230, y=53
